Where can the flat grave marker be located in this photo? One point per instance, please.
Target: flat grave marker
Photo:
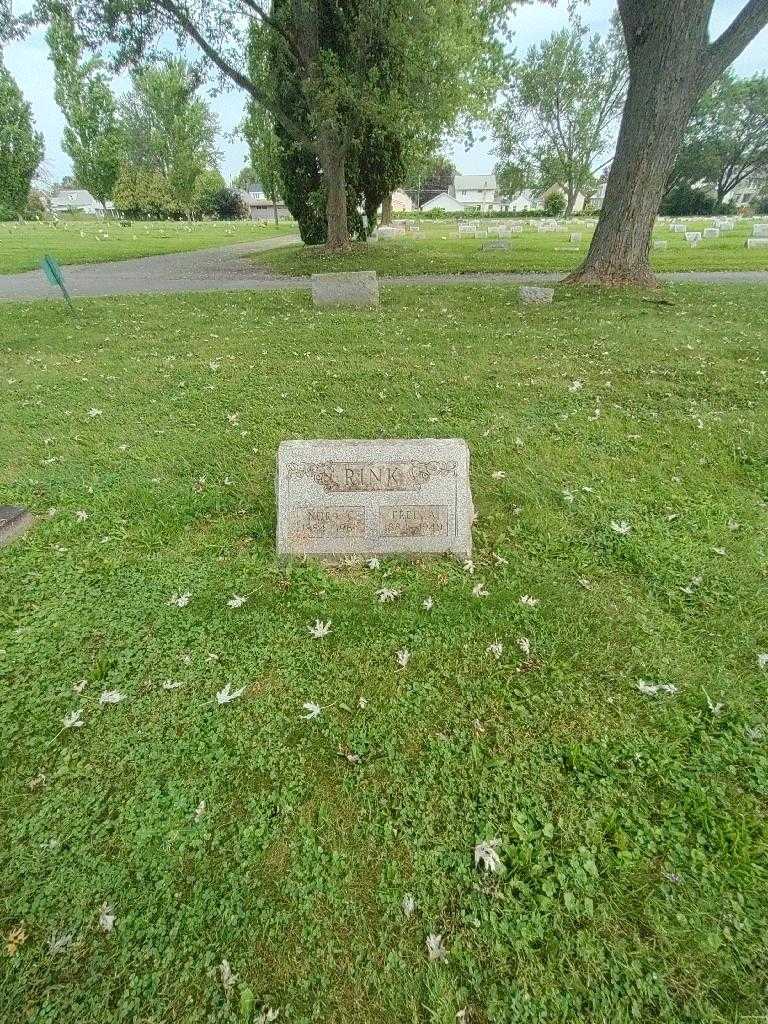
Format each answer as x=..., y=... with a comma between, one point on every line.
x=342, y=498
x=538, y=296
x=360, y=288
x=14, y=520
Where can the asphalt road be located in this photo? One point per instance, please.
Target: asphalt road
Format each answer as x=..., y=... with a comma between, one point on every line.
x=226, y=269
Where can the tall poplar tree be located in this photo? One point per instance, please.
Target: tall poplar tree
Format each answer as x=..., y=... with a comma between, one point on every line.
x=21, y=147
x=82, y=91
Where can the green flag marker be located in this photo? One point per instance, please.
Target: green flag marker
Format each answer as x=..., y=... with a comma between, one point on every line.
x=53, y=274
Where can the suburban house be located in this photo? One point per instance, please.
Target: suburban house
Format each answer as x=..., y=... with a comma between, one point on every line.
x=77, y=200
x=578, y=204
x=443, y=201
x=261, y=208
x=401, y=203
x=476, y=191
x=749, y=191
x=525, y=200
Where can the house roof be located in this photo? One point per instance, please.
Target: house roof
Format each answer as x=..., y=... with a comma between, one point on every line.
x=73, y=197
x=475, y=181
x=447, y=199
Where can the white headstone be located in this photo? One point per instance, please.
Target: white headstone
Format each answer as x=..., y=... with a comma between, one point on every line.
x=757, y=243
x=660, y=243
x=401, y=497
x=760, y=231
x=693, y=236
x=711, y=232
x=348, y=289
x=575, y=236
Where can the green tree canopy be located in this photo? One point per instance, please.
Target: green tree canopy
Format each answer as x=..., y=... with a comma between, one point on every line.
x=428, y=176
x=559, y=107
x=167, y=128
x=727, y=137
x=82, y=91
x=390, y=69
x=21, y=147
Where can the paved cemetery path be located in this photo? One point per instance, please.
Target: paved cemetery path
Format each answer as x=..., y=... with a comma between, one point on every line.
x=228, y=269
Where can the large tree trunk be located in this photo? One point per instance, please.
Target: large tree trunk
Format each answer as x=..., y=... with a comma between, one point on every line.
x=386, y=209
x=332, y=159
x=651, y=131
x=671, y=63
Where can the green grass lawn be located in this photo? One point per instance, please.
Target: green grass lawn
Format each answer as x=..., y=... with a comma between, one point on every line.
x=22, y=246
x=631, y=827
x=442, y=251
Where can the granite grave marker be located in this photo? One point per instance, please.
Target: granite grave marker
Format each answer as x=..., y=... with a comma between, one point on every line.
x=387, y=497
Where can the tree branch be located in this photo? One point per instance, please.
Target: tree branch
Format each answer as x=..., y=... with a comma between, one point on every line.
x=267, y=19
x=228, y=69
x=742, y=30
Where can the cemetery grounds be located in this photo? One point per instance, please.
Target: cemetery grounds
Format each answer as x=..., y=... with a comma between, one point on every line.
x=87, y=240
x=212, y=815
x=438, y=248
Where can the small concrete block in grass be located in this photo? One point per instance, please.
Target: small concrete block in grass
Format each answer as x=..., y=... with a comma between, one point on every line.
x=359, y=288
x=539, y=296
x=660, y=243
x=14, y=520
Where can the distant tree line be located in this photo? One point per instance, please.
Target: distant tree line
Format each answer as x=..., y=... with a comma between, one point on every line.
x=554, y=124
x=349, y=99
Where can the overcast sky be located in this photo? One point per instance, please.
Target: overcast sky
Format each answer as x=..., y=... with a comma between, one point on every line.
x=28, y=63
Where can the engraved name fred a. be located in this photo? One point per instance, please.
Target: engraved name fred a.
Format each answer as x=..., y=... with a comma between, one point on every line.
x=348, y=477
x=414, y=521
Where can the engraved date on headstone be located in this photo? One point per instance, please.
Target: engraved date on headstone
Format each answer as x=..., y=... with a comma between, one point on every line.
x=320, y=522
x=414, y=521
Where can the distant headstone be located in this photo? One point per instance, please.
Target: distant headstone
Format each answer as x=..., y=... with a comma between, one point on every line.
x=660, y=243
x=757, y=243
x=693, y=236
x=537, y=295
x=396, y=497
x=347, y=289
x=14, y=520
x=498, y=243
x=677, y=228
x=760, y=231
x=711, y=232
x=575, y=236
